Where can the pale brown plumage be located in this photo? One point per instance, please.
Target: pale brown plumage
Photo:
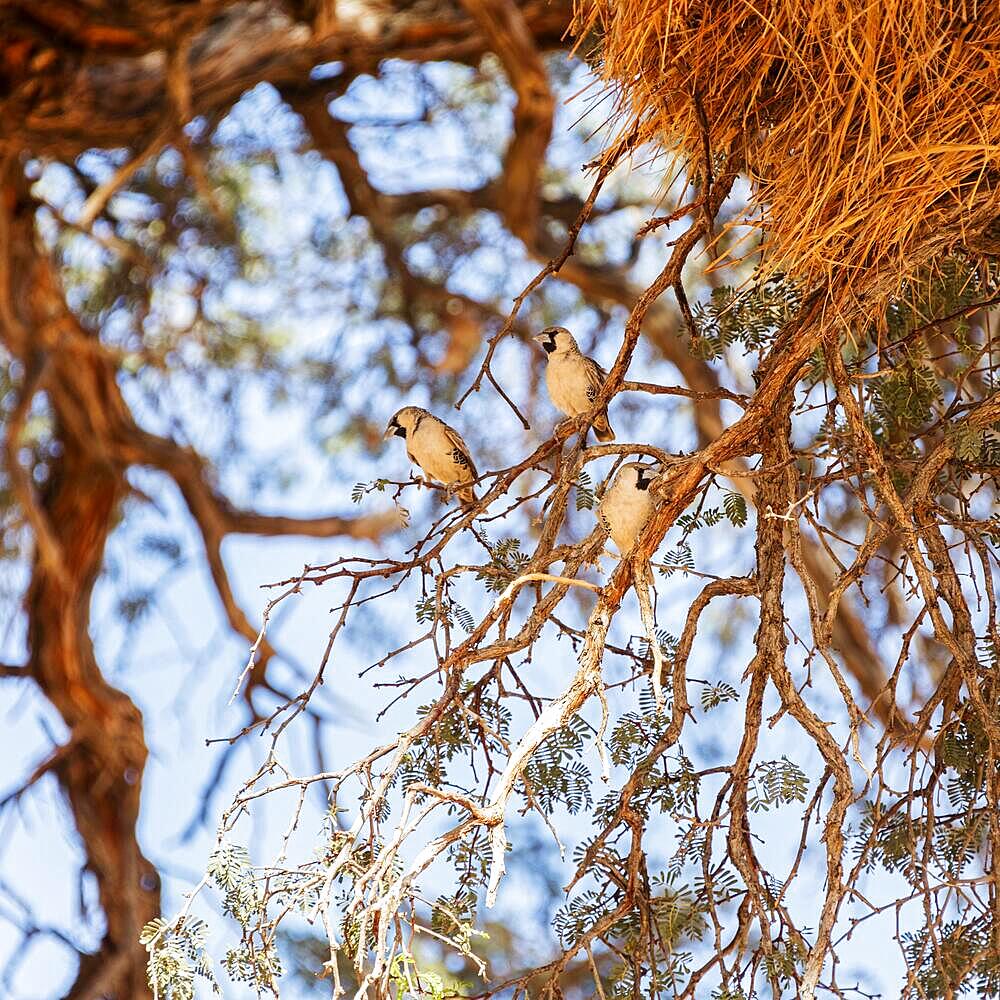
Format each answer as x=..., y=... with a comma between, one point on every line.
x=573, y=380
x=436, y=448
x=625, y=509
x=627, y=504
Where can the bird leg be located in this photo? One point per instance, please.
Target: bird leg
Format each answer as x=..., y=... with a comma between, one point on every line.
x=596, y=560
x=572, y=424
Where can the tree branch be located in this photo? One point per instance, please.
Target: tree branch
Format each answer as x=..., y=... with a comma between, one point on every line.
x=102, y=776
x=508, y=35
x=119, y=98
x=216, y=518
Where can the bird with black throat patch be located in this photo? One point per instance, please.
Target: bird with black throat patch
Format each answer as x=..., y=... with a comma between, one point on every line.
x=573, y=379
x=437, y=449
x=624, y=511
x=627, y=504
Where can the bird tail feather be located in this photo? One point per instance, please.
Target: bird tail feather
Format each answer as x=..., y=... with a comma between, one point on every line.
x=603, y=429
x=467, y=497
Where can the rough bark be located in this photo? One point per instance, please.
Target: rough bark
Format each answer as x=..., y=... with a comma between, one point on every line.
x=112, y=74
x=73, y=78
x=102, y=770
x=115, y=74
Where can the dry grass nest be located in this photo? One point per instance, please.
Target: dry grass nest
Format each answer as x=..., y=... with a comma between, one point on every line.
x=863, y=125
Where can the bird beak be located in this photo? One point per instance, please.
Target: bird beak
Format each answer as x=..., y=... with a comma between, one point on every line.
x=648, y=476
x=540, y=339
x=390, y=431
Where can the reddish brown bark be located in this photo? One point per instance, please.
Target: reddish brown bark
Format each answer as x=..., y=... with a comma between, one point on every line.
x=102, y=770
x=102, y=79
x=96, y=440
x=117, y=74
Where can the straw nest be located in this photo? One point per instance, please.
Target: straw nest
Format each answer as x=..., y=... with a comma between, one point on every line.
x=863, y=124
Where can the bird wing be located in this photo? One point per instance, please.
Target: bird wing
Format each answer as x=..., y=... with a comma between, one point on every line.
x=461, y=453
x=596, y=377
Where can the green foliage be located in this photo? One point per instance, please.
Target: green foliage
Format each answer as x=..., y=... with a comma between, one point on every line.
x=909, y=392
x=635, y=732
x=464, y=617
x=903, y=400
x=749, y=316
x=229, y=867
x=713, y=695
x=960, y=960
x=176, y=957
x=580, y=913
x=453, y=917
x=668, y=647
x=555, y=775
x=664, y=789
x=255, y=961
x=679, y=558
x=678, y=912
x=259, y=968
x=455, y=734
x=785, y=960
x=708, y=518
x=409, y=980
x=992, y=531
x=735, y=507
x=895, y=839
x=445, y=610
x=585, y=498
x=942, y=290
x=679, y=917
x=776, y=783
x=506, y=564
x=361, y=490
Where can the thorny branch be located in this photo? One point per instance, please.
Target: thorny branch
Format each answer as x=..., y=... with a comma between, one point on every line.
x=917, y=512
x=370, y=884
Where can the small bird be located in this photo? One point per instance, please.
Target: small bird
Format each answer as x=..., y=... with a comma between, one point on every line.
x=437, y=448
x=624, y=511
x=573, y=379
x=627, y=504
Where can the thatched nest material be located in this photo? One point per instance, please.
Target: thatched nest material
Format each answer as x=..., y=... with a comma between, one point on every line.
x=862, y=122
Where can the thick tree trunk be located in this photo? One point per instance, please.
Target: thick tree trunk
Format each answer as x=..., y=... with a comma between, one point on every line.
x=101, y=772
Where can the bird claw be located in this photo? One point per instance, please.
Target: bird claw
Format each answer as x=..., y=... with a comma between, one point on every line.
x=596, y=561
x=451, y=491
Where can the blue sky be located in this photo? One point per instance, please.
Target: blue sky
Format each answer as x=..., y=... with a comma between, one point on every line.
x=180, y=662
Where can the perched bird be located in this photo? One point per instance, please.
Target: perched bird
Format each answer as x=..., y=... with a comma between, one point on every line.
x=436, y=448
x=627, y=504
x=573, y=379
x=624, y=511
